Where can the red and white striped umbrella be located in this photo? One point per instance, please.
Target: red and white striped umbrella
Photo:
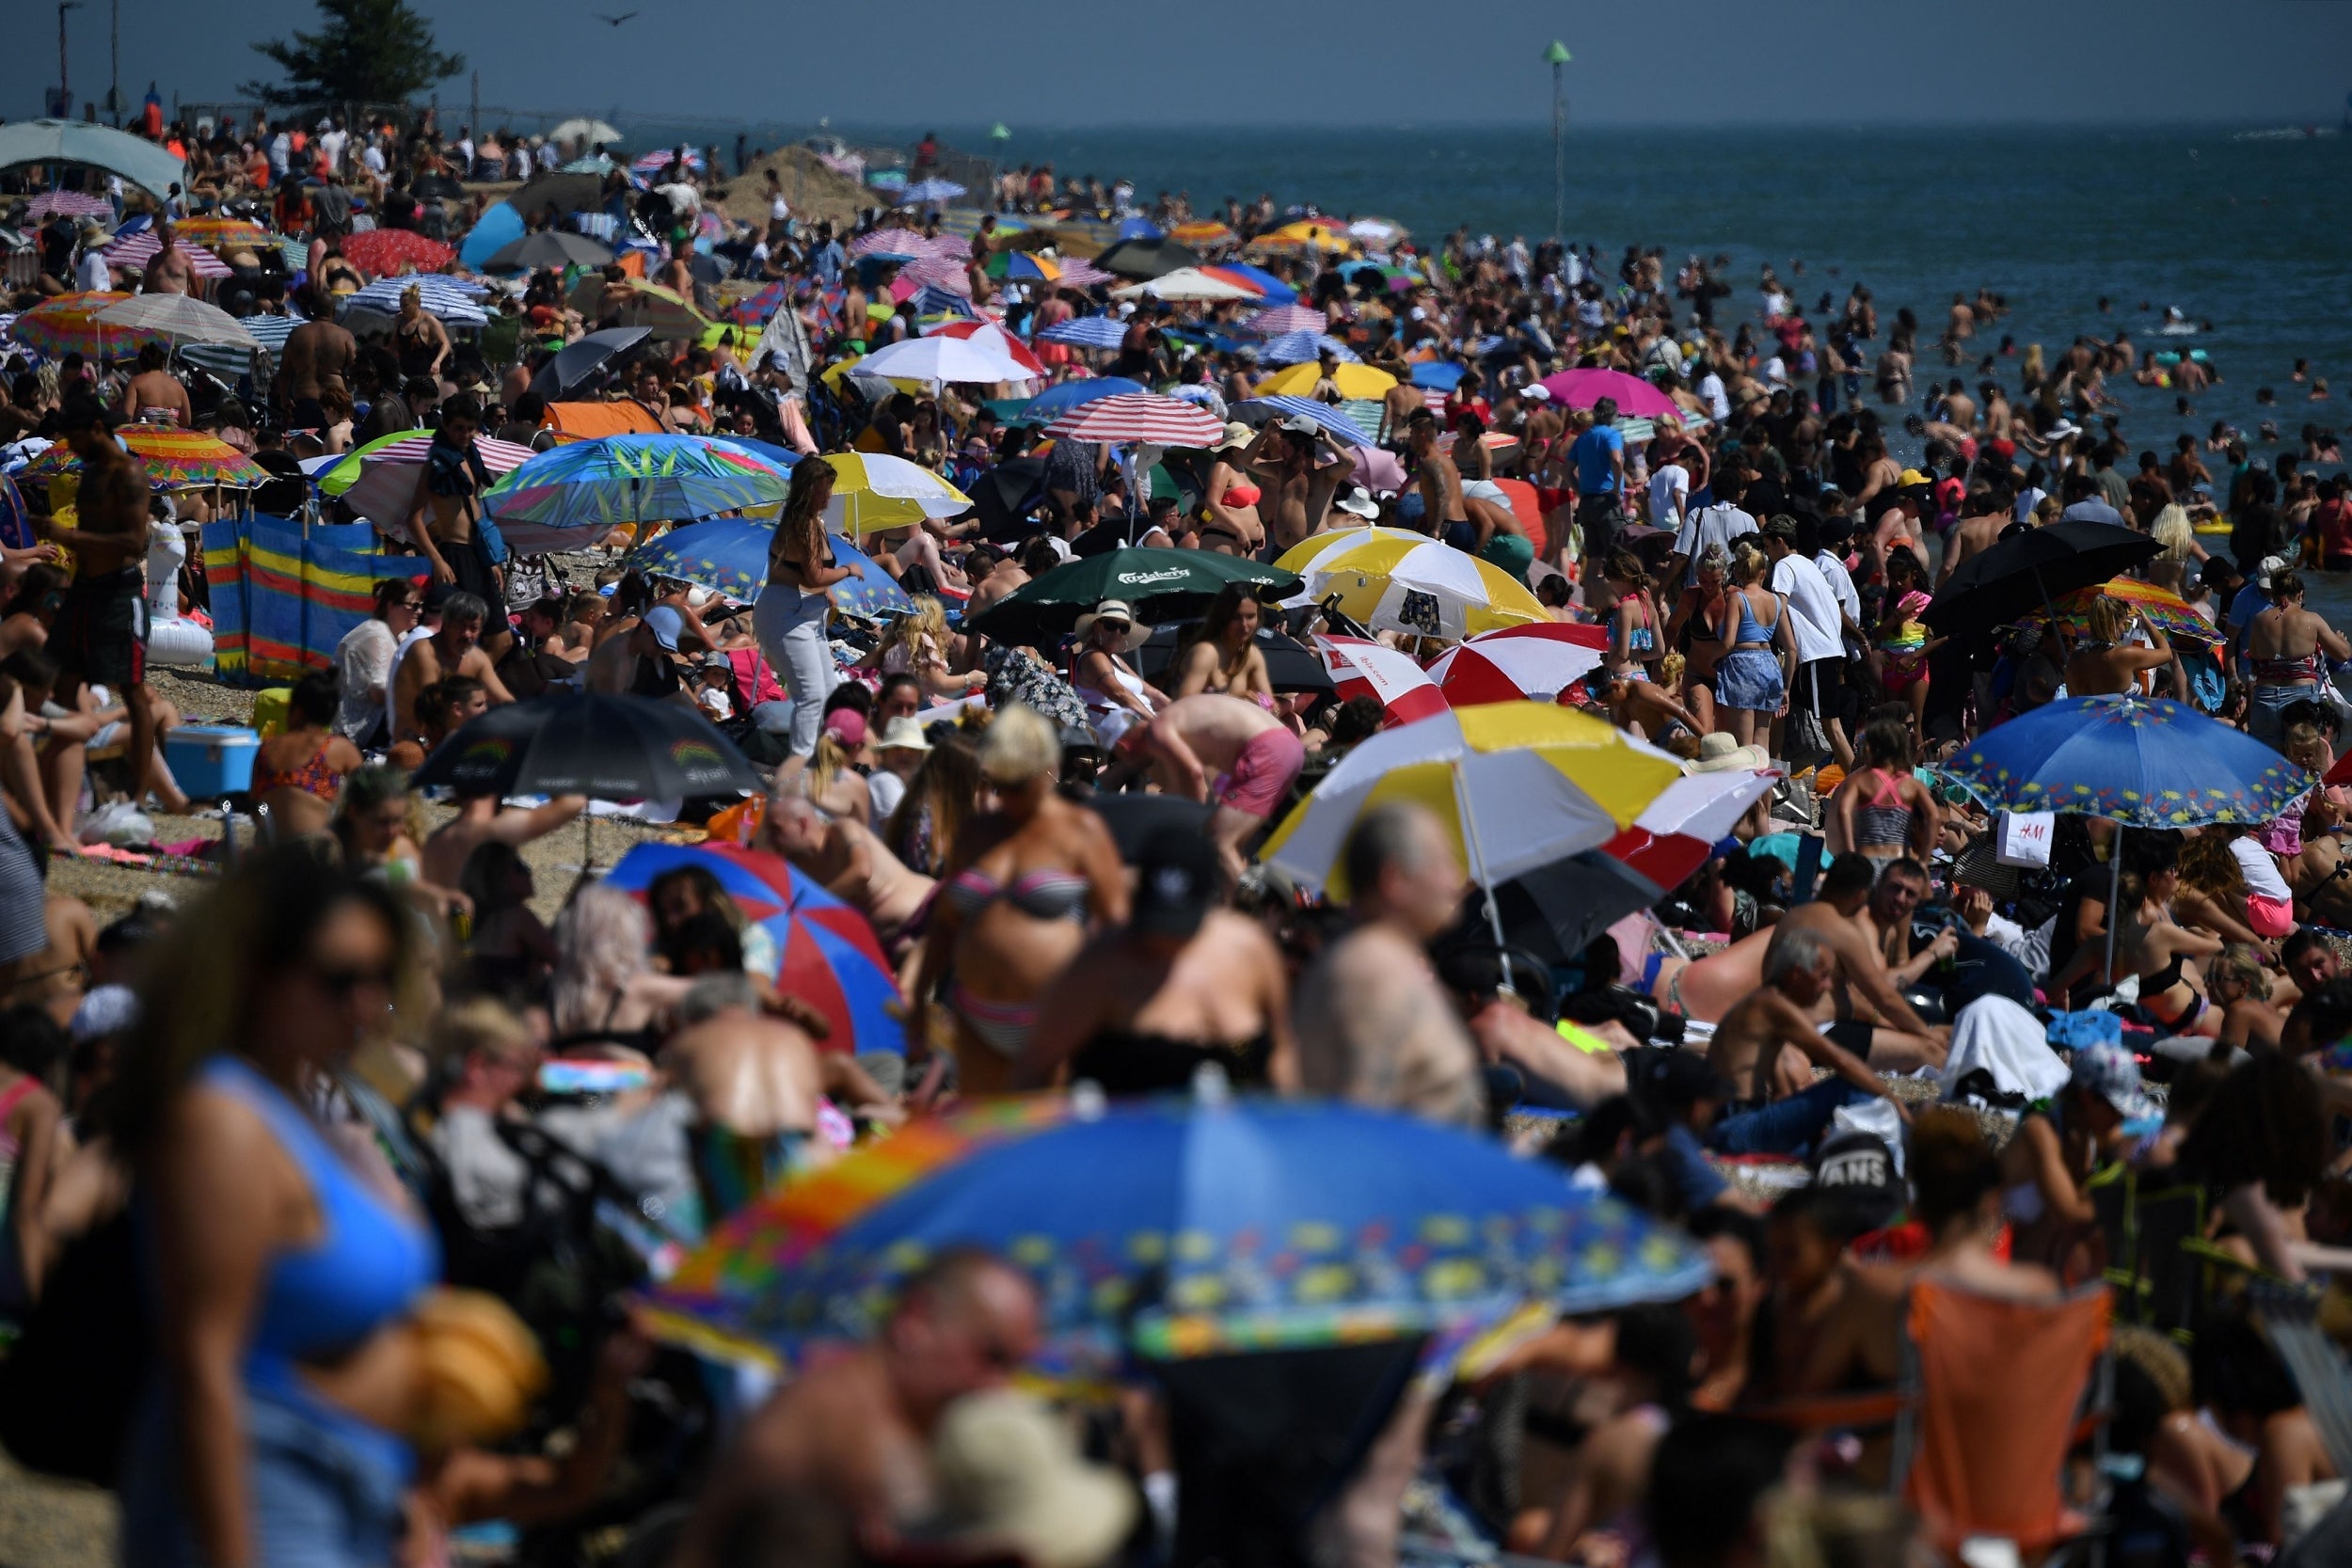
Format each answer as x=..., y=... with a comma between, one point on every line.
x=1537, y=661
x=939, y=271
x=995, y=336
x=906, y=242
x=1360, y=667
x=73, y=203
x=1141, y=417
x=137, y=250
x=1276, y=319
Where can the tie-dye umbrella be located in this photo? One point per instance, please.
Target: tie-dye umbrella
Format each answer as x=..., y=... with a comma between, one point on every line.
x=69, y=324
x=219, y=233
x=174, y=460
x=385, y=252
x=631, y=478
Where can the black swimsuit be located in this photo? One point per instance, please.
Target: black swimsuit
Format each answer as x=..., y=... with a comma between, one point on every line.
x=1136, y=1062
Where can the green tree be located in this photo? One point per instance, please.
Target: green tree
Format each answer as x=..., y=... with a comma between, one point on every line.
x=370, y=52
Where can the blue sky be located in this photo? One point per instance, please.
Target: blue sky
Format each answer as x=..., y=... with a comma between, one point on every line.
x=1366, y=62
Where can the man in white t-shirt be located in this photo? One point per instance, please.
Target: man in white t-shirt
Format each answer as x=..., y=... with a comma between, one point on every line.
x=1833, y=534
x=1669, y=493
x=1718, y=524
x=1817, y=625
x=1711, y=389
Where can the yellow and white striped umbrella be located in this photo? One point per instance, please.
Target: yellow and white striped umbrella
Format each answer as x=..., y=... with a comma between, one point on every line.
x=873, y=492
x=1394, y=580
x=1519, y=785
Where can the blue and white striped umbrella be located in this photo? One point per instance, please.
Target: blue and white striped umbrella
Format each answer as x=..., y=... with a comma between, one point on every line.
x=271, y=331
x=931, y=300
x=1090, y=332
x=439, y=296
x=930, y=190
x=1257, y=411
x=1297, y=348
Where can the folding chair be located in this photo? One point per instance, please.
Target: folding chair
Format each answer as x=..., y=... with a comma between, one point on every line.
x=2001, y=1387
x=2165, y=1273
x=2322, y=1372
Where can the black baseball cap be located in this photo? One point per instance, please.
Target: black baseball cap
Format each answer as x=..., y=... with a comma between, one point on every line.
x=1178, y=881
x=1856, y=1171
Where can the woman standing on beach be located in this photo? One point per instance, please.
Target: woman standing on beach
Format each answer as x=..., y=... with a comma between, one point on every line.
x=1752, y=680
x=789, y=618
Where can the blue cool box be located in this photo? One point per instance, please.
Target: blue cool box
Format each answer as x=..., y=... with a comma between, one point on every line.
x=212, y=760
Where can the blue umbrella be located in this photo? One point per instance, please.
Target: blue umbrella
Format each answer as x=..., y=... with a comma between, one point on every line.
x=1297, y=348
x=1173, y=1229
x=1253, y=411
x=2144, y=763
x=631, y=478
x=1088, y=332
x=932, y=300
x=1053, y=402
x=1275, y=291
x=1138, y=228
x=729, y=555
x=492, y=232
x=1438, y=376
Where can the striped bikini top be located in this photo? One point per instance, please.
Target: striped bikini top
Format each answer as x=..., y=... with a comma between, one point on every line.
x=1050, y=894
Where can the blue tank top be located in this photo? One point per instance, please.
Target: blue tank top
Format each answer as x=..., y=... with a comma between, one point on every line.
x=369, y=1263
x=1752, y=629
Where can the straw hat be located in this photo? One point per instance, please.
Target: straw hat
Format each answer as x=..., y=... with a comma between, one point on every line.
x=1112, y=610
x=1009, y=1473
x=1719, y=753
x=903, y=734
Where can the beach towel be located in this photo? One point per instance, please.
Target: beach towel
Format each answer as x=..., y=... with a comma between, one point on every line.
x=2006, y=1043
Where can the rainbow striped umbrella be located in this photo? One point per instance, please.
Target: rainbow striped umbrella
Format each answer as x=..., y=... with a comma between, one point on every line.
x=631, y=478
x=175, y=460
x=69, y=324
x=1169, y=1229
x=2160, y=607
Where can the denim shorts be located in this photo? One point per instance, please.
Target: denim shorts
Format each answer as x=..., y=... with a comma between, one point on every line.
x=1749, y=678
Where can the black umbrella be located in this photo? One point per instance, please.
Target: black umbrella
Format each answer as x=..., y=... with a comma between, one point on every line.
x=575, y=364
x=1147, y=258
x=1160, y=585
x=1290, y=664
x=1004, y=496
x=586, y=743
x=566, y=193
x=549, y=248
x=2028, y=570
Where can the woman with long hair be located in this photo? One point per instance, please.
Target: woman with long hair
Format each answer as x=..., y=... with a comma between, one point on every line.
x=1882, y=811
x=1116, y=698
x=2104, y=663
x=789, y=618
x=1690, y=630
x=285, y=1268
x=1635, y=644
x=2149, y=943
x=916, y=644
x=945, y=792
x=1027, y=881
x=833, y=778
x=1224, y=655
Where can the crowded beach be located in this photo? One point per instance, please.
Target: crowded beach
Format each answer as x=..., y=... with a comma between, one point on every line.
x=810, y=859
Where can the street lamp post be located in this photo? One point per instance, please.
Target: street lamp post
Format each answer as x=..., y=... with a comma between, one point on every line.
x=1557, y=56
x=65, y=82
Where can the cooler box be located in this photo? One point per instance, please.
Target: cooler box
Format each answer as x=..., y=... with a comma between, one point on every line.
x=212, y=760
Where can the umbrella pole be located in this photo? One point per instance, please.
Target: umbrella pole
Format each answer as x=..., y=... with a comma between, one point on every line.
x=1478, y=870
x=2115, y=886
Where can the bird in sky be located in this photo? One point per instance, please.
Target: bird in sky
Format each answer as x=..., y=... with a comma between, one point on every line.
x=615, y=21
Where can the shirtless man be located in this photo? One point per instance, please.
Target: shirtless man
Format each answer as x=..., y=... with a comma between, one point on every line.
x=841, y=1454
x=756, y=1070
x=1435, y=478
x=154, y=387
x=676, y=273
x=853, y=866
x=1212, y=747
x=56, y=977
x=449, y=484
x=1298, y=471
x=1983, y=515
x=167, y=270
x=455, y=649
x=1876, y=1025
x=101, y=632
x=315, y=352
x=1398, y=406
x=480, y=821
x=1766, y=1046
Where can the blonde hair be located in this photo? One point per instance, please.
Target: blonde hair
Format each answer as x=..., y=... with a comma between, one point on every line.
x=2171, y=529
x=479, y=1023
x=601, y=940
x=414, y=296
x=2109, y=618
x=926, y=624
x=825, y=764
x=2247, y=965
x=1021, y=744
x=1748, y=563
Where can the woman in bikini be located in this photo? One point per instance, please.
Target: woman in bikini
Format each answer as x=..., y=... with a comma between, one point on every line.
x=1691, y=632
x=1225, y=656
x=2104, y=663
x=2291, y=648
x=2153, y=946
x=1882, y=811
x=790, y=614
x=1026, y=882
x=1752, y=678
x=1633, y=640
x=298, y=775
x=420, y=340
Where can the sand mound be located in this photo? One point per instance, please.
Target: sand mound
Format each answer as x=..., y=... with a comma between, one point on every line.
x=818, y=194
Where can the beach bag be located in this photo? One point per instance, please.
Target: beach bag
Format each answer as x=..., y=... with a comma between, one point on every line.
x=2022, y=838
x=74, y=1376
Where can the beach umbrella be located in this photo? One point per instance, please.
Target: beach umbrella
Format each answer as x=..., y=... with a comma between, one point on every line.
x=758, y=308
x=549, y=248
x=1269, y=288
x=1299, y=348
x=873, y=493
x=892, y=244
x=137, y=250
x=608, y=747
x=1353, y=381
x=1159, y=585
x=1438, y=376
x=223, y=233
x=567, y=192
x=1102, y=332
x=2029, y=569
x=942, y=358
x=1536, y=662
x=1556, y=911
x=1379, y=232
x=993, y=334
x=1393, y=579
x=1290, y=664
x=1175, y=1230
x=1583, y=388
x=648, y=165
x=2140, y=762
x=179, y=318
x=1187, y=283
x=1320, y=233
x=927, y=192
x=1360, y=667
x=762, y=885
x=174, y=460
x=576, y=364
x=74, y=204
x=671, y=316
x=629, y=479
x=729, y=556
x=1278, y=319
x=69, y=324
x=1145, y=417
x=380, y=480
x=1258, y=411
x=436, y=296
x=588, y=132
x=2160, y=607
x=1147, y=258
x=1056, y=401
x=387, y=251
x=1202, y=234
x=1518, y=786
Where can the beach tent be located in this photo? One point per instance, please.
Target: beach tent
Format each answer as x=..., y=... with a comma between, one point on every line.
x=73, y=141
x=587, y=422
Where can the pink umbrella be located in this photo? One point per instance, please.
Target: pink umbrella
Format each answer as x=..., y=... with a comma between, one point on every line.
x=939, y=273
x=1635, y=397
x=1377, y=469
x=1536, y=661
x=1360, y=667
x=72, y=203
x=1141, y=417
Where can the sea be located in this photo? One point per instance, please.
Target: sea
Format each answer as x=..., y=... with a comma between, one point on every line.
x=2247, y=229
